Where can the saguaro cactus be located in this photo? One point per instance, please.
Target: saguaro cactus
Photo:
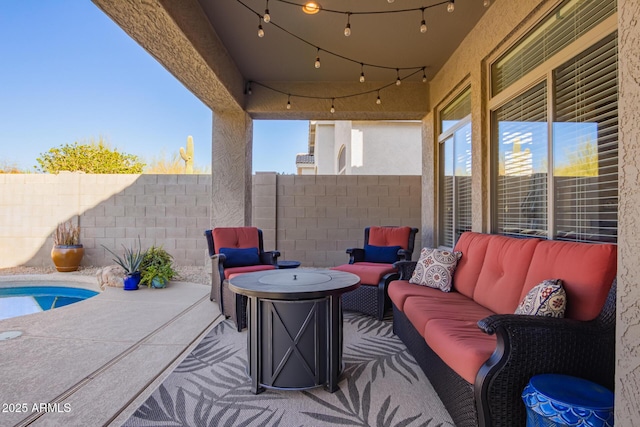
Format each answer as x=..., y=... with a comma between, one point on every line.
x=187, y=155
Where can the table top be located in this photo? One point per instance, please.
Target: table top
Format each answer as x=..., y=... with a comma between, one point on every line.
x=294, y=284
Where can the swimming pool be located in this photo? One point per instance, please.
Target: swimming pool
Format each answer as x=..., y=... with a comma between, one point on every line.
x=21, y=300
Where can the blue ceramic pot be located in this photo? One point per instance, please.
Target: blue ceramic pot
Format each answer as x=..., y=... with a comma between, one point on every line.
x=131, y=281
x=158, y=283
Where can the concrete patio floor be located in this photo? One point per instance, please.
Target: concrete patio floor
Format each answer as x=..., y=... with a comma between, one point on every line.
x=96, y=361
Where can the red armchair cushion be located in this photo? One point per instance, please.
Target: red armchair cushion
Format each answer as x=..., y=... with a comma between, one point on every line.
x=248, y=269
x=370, y=273
x=235, y=237
x=389, y=236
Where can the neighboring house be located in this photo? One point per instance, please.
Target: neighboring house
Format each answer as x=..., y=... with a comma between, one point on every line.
x=345, y=147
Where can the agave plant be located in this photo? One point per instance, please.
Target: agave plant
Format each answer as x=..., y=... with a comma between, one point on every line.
x=132, y=258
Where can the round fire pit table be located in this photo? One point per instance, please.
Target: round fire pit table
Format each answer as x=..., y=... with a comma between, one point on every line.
x=294, y=326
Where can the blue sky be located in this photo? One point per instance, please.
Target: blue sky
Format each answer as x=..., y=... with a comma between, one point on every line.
x=68, y=73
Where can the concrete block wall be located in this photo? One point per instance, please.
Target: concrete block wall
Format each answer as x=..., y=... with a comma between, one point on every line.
x=317, y=217
x=112, y=210
x=312, y=219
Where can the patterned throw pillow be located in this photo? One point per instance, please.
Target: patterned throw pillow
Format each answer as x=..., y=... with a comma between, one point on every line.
x=545, y=299
x=435, y=269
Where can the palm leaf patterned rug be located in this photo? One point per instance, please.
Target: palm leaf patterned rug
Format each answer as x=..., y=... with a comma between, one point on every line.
x=381, y=385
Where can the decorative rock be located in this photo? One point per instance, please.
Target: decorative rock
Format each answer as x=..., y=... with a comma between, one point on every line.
x=111, y=275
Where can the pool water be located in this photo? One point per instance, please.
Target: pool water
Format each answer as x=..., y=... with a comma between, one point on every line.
x=18, y=301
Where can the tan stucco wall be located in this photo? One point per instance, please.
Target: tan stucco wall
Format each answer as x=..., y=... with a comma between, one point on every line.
x=628, y=307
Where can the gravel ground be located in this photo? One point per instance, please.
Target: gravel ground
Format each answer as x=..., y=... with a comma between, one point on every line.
x=185, y=273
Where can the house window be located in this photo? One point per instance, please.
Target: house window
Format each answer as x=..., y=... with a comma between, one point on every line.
x=554, y=134
x=455, y=169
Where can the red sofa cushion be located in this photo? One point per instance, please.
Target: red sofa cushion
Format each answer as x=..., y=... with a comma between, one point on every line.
x=400, y=290
x=460, y=344
x=420, y=310
x=587, y=272
x=370, y=273
x=503, y=272
x=389, y=236
x=228, y=272
x=235, y=237
x=473, y=247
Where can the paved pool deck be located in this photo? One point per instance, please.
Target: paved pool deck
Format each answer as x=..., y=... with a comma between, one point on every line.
x=94, y=362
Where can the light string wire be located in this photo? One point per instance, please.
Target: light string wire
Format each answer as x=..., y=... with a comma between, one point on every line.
x=415, y=70
x=371, y=12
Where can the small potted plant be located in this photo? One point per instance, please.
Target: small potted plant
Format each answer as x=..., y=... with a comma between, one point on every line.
x=131, y=262
x=157, y=268
x=67, y=252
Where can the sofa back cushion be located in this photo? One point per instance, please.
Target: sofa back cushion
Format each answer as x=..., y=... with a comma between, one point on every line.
x=502, y=276
x=587, y=271
x=235, y=237
x=474, y=248
x=389, y=236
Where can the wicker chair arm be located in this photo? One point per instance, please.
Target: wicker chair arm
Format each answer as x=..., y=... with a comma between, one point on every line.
x=508, y=323
x=355, y=255
x=269, y=257
x=404, y=255
x=405, y=268
x=220, y=257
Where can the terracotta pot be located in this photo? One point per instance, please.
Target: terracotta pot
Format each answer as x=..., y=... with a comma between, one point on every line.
x=67, y=258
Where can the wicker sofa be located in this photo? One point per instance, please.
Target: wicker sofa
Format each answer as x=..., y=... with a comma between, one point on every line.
x=477, y=354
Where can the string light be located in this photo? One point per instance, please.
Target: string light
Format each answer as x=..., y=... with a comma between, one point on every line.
x=424, y=76
x=361, y=72
x=378, y=101
x=266, y=18
x=333, y=108
x=260, y=30
x=347, y=29
x=423, y=24
x=398, y=80
x=390, y=1
x=288, y=102
x=451, y=7
x=486, y=3
x=317, y=64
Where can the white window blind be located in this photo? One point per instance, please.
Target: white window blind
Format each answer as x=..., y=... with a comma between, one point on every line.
x=585, y=141
x=570, y=20
x=520, y=144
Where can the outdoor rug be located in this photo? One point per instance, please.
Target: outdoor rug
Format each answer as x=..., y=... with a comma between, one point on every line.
x=381, y=385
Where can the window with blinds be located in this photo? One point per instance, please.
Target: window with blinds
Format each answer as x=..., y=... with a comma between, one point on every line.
x=455, y=170
x=585, y=145
x=570, y=20
x=520, y=144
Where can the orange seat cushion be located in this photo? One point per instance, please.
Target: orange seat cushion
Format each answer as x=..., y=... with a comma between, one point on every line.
x=390, y=236
x=449, y=306
x=370, y=273
x=400, y=290
x=247, y=269
x=460, y=344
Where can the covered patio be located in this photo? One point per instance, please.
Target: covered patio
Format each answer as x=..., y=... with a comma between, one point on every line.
x=214, y=49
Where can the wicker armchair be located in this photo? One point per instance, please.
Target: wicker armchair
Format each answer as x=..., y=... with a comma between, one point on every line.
x=526, y=346
x=374, y=270
x=225, y=265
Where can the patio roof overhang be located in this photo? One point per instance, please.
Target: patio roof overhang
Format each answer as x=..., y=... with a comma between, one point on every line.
x=212, y=47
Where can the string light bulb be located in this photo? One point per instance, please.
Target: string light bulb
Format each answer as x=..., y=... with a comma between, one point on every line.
x=361, y=72
x=398, y=80
x=333, y=108
x=266, y=18
x=486, y=3
x=390, y=1
x=423, y=24
x=424, y=76
x=347, y=28
x=378, y=100
x=317, y=64
x=450, y=6
x=260, y=31
x=288, y=102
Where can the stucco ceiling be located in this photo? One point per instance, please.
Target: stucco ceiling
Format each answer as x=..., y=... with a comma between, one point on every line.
x=388, y=39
